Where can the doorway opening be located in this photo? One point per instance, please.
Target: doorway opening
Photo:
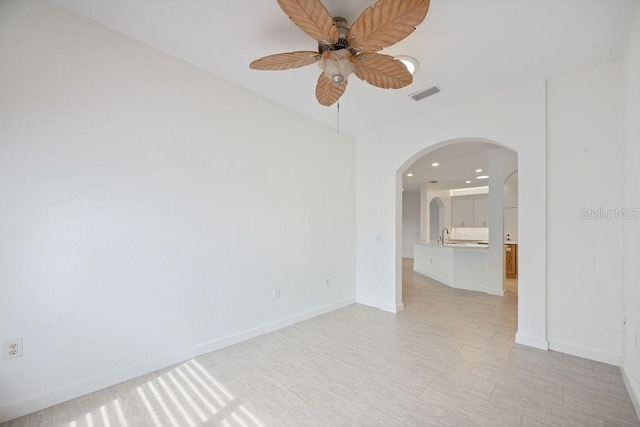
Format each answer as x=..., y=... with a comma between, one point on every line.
x=436, y=217
x=532, y=256
x=511, y=233
x=462, y=189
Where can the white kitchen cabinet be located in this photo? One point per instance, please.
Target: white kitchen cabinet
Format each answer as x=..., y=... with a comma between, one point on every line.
x=462, y=212
x=481, y=212
x=472, y=211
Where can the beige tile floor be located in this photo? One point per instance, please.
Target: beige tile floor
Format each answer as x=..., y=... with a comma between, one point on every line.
x=449, y=359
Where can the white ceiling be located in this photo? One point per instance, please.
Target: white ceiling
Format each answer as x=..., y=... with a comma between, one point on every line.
x=458, y=163
x=470, y=48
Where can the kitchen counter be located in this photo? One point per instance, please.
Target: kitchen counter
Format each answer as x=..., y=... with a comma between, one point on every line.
x=464, y=245
x=461, y=266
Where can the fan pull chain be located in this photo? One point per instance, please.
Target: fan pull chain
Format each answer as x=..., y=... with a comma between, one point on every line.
x=338, y=121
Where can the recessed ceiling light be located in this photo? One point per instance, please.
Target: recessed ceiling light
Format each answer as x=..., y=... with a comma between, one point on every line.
x=482, y=177
x=435, y=165
x=409, y=174
x=478, y=170
x=467, y=182
x=409, y=62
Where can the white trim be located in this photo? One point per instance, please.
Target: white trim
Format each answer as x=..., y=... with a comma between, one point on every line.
x=368, y=302
x=432, y=276
x=53, y=397
x=529, y=341
x=468, y=287
x=634, y=390
x=587, y=353
x=376, y=304
x=391, y=308
x=499, y=293
x=463, y=286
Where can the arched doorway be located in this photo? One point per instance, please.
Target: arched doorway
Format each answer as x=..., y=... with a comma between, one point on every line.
x=436, y=218
x=529, y=301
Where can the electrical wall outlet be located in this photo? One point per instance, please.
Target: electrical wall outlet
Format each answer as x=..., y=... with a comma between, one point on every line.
x=327, y=283
x=276, y=293
x=13, y=348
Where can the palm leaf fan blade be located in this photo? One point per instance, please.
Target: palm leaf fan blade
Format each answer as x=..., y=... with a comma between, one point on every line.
x=382, y=71
x=311, y=17
x=386, y=23
x=328, y=92
x=285, y=61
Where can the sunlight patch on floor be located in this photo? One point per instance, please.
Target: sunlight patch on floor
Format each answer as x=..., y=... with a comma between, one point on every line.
x=187, y=395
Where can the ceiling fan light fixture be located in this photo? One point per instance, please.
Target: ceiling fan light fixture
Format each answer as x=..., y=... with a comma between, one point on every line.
x=410, y=62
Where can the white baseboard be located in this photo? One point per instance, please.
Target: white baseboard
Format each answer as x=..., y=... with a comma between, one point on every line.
x=459, y=285
x=632, y=387
x=574, y=350
x=71, y=391
x=376, y=304
x=432, y=276
x=585, y=352
x=468, y=287
x=392, y=308
x=530, y=341
x=368, y=302
x=496, y=292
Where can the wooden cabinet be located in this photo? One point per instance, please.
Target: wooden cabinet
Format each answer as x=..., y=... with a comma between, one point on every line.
x=470, y=211
x=511, y=260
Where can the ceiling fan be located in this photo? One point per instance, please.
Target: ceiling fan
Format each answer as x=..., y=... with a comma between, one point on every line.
x=343, y=51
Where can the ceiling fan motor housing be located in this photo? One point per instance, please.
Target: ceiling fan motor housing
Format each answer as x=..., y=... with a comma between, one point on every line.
x=342, y=42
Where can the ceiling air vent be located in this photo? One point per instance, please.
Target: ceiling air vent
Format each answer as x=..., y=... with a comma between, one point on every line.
x=425, y=93
x=433, y=182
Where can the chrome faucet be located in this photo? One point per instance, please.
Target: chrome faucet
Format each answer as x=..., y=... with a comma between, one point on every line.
x=442, y=234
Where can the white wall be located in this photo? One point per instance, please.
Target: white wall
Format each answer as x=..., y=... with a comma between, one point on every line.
x=149, y=208
x=584, y=149
x=511, y=191
x=581, y=113
x=410, y=222
x=515, y=118
x=631, y=228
